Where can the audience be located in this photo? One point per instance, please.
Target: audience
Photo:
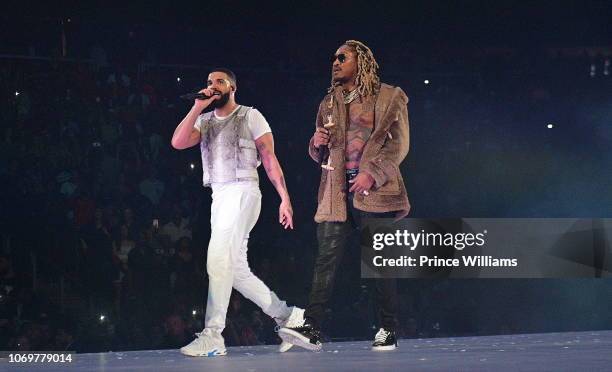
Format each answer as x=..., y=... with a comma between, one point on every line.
x=105, y=226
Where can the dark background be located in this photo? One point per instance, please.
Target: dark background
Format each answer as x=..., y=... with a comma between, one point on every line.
x=88, y=94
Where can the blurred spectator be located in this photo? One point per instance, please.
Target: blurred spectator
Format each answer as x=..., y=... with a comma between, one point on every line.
x=98, y=250
x=152, y=187
x=186, y=276
x=178, y=226
x=129, y=223
x=176, y=333
x=141, y=263
x=99, y=57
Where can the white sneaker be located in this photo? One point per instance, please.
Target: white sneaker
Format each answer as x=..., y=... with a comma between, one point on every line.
x=296, y=319
x=208, y=343
x=284, y=346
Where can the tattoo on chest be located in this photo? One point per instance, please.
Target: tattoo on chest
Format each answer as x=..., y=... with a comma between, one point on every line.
x=359, y=128
x=367, y=106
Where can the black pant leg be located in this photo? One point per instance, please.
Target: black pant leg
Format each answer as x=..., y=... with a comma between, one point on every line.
x=386, y=298
x=331, y=237
x=386, y=289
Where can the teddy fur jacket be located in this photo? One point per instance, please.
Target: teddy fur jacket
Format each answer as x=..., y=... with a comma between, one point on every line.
x=383, y=153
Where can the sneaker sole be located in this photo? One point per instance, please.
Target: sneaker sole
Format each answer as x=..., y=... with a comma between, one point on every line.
x=212, y=353
x=298, y=339
x=384, y=348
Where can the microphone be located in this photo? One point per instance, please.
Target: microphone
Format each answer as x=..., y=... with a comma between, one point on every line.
x=192, y=96
x=323, y=151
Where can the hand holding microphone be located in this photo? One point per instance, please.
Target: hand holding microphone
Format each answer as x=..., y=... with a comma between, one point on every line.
x=321, y=137
x=203, y=98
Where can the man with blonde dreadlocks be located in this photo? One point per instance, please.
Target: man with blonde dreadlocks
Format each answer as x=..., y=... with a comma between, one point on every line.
x=362, y=129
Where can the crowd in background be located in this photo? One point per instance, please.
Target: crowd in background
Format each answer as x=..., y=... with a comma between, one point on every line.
x=104, y=226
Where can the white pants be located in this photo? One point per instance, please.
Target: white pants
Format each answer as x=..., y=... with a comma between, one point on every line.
x=235, y=210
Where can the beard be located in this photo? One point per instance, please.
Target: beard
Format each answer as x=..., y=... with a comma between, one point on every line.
x=340, y=79
x=220, y=102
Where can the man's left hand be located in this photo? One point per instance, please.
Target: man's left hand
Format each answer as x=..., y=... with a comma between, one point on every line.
x=362, y=183
x=285, y=215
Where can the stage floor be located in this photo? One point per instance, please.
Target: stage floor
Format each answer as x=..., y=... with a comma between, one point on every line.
x=571, y=351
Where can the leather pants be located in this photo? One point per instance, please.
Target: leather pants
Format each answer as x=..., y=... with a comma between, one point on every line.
x=332, y=238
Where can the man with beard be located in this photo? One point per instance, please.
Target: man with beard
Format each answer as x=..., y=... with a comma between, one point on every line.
x=233, y=138
x=362, y=128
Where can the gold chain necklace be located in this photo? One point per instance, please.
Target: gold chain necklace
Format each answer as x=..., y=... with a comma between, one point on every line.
x=350, y=96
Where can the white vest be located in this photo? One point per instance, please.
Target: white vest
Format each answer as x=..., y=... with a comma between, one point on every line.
x=228, y=150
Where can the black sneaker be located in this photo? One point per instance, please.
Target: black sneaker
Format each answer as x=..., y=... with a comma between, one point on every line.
x=384, y=340
x=305, y=336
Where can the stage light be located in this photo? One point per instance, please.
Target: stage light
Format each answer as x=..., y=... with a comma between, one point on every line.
x=69, y=20
x=550, y=126
x=192, y=166
x=426, y=82
x=178, y=79
x=194, y=312
x=16, y=94
x=102, y=317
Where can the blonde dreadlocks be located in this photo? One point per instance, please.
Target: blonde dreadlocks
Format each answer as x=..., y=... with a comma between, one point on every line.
x=367, y=80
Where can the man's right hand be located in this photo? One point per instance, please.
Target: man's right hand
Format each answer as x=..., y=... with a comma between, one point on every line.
x=321, y=137
x=201, y=104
